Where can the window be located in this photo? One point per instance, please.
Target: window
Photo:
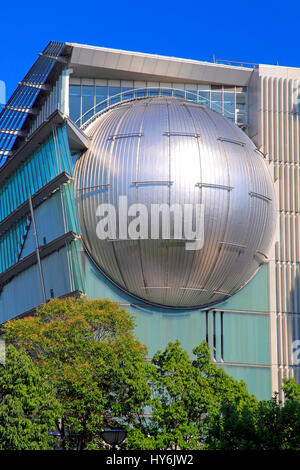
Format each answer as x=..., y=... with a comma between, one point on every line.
x=101, y=93
x=204, y=98
x=191, y=94
x=241, y=101
x=216, y=101
x=114, y=90
x=88, y=101
x=75, y=102
x=229, y=100
x=127, y=93
x=241, y=108
x=229, y=105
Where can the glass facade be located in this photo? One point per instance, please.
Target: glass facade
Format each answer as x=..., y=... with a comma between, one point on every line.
x=48, y=161
x=88, y=99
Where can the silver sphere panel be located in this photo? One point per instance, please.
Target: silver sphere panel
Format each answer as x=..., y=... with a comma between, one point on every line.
x=168, y=150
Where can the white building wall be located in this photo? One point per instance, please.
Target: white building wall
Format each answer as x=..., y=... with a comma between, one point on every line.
x=278, y=137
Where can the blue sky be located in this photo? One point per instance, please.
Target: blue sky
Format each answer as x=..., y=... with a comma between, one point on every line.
x=253, y=31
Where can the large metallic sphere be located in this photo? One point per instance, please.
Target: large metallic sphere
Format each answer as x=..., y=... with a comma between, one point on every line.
x=168, y=150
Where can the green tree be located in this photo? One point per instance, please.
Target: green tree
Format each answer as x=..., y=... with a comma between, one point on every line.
x=186, y=394
x=265, y=425
x=28, y=408
x=86, y=349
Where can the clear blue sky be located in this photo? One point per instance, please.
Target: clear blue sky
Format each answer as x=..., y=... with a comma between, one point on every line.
x=253, y=31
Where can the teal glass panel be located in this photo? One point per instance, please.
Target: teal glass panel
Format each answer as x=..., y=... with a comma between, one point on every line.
x=11, y=243
x=157, y=328
x=76, y=266
x=56, y=278
x=43, y=165
x=253, y=297
x=258, y=379
x=72, y=221
x=246, y=338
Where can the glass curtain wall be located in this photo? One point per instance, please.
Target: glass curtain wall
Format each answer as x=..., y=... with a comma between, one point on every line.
x=231, y=101
x=45, y=163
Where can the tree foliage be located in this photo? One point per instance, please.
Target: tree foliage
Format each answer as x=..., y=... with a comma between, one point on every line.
x=77, y=368
x=186, y=394
x=28, y=408
x=265, y=425
x=86, y=350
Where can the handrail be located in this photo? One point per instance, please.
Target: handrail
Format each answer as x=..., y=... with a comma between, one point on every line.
x=137, y=93
x=235, y=63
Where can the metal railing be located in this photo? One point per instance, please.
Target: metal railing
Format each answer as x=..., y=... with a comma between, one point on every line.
x=138, y=93
x=235, y=63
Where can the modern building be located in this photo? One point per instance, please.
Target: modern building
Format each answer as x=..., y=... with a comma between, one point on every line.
x=81, y=109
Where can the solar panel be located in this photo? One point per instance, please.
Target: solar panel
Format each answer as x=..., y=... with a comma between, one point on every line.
x=19, y=108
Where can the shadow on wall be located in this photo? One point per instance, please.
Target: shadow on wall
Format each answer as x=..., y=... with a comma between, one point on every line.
x=295, y=326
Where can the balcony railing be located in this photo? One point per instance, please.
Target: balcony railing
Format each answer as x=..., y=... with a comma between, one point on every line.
x=138, y=93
